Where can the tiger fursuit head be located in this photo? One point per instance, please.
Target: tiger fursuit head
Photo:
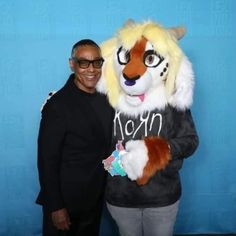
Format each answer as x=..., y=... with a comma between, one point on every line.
x=145, y=69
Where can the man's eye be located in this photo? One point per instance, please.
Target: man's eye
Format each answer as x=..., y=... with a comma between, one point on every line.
x=97, y=62
x=83, y=62
x=123, y=56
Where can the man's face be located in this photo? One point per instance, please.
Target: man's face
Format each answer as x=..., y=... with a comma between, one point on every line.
x=86, y=78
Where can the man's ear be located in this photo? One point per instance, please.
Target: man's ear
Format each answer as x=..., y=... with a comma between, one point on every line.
x=72, y=64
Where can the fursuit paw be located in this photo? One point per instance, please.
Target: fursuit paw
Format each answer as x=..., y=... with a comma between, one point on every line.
x=158, y=157
x=134, y=159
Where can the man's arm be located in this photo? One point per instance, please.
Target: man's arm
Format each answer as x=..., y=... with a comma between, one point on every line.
x=50, y=142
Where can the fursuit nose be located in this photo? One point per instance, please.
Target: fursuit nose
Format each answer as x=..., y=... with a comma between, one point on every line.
x=130, y=81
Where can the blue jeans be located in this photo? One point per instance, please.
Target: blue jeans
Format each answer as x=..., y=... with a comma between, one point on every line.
x=158, y=221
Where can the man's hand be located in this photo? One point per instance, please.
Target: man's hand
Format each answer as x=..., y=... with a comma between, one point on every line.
x=61, y=219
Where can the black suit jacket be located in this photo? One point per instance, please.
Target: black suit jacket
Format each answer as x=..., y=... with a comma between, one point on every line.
x=74, y=137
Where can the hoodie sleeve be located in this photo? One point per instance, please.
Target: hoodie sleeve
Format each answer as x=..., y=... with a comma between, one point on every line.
x=184, y=139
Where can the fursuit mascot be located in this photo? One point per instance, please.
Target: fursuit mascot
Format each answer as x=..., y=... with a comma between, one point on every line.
x=149, y=82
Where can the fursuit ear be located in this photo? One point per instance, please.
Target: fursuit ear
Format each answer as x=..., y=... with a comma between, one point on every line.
x=129, y=22
x=182, y=97
x=177, y=32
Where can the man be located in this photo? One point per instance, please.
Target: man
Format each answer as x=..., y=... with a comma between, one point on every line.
x=74, y=137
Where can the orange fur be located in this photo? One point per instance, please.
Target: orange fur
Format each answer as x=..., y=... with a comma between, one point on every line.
x=159, y=157
x=135, y=66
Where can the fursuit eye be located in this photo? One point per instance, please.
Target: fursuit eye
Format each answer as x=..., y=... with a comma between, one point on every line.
x=123, y=56
x=151, y=59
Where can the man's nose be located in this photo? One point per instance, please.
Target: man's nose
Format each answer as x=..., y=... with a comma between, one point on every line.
x=90, y=67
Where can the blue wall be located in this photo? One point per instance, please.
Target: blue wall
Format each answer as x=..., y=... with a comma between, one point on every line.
x=35, y=43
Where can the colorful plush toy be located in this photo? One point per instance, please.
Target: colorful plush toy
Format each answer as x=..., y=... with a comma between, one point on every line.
x=145, y=71
x=113, y=163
